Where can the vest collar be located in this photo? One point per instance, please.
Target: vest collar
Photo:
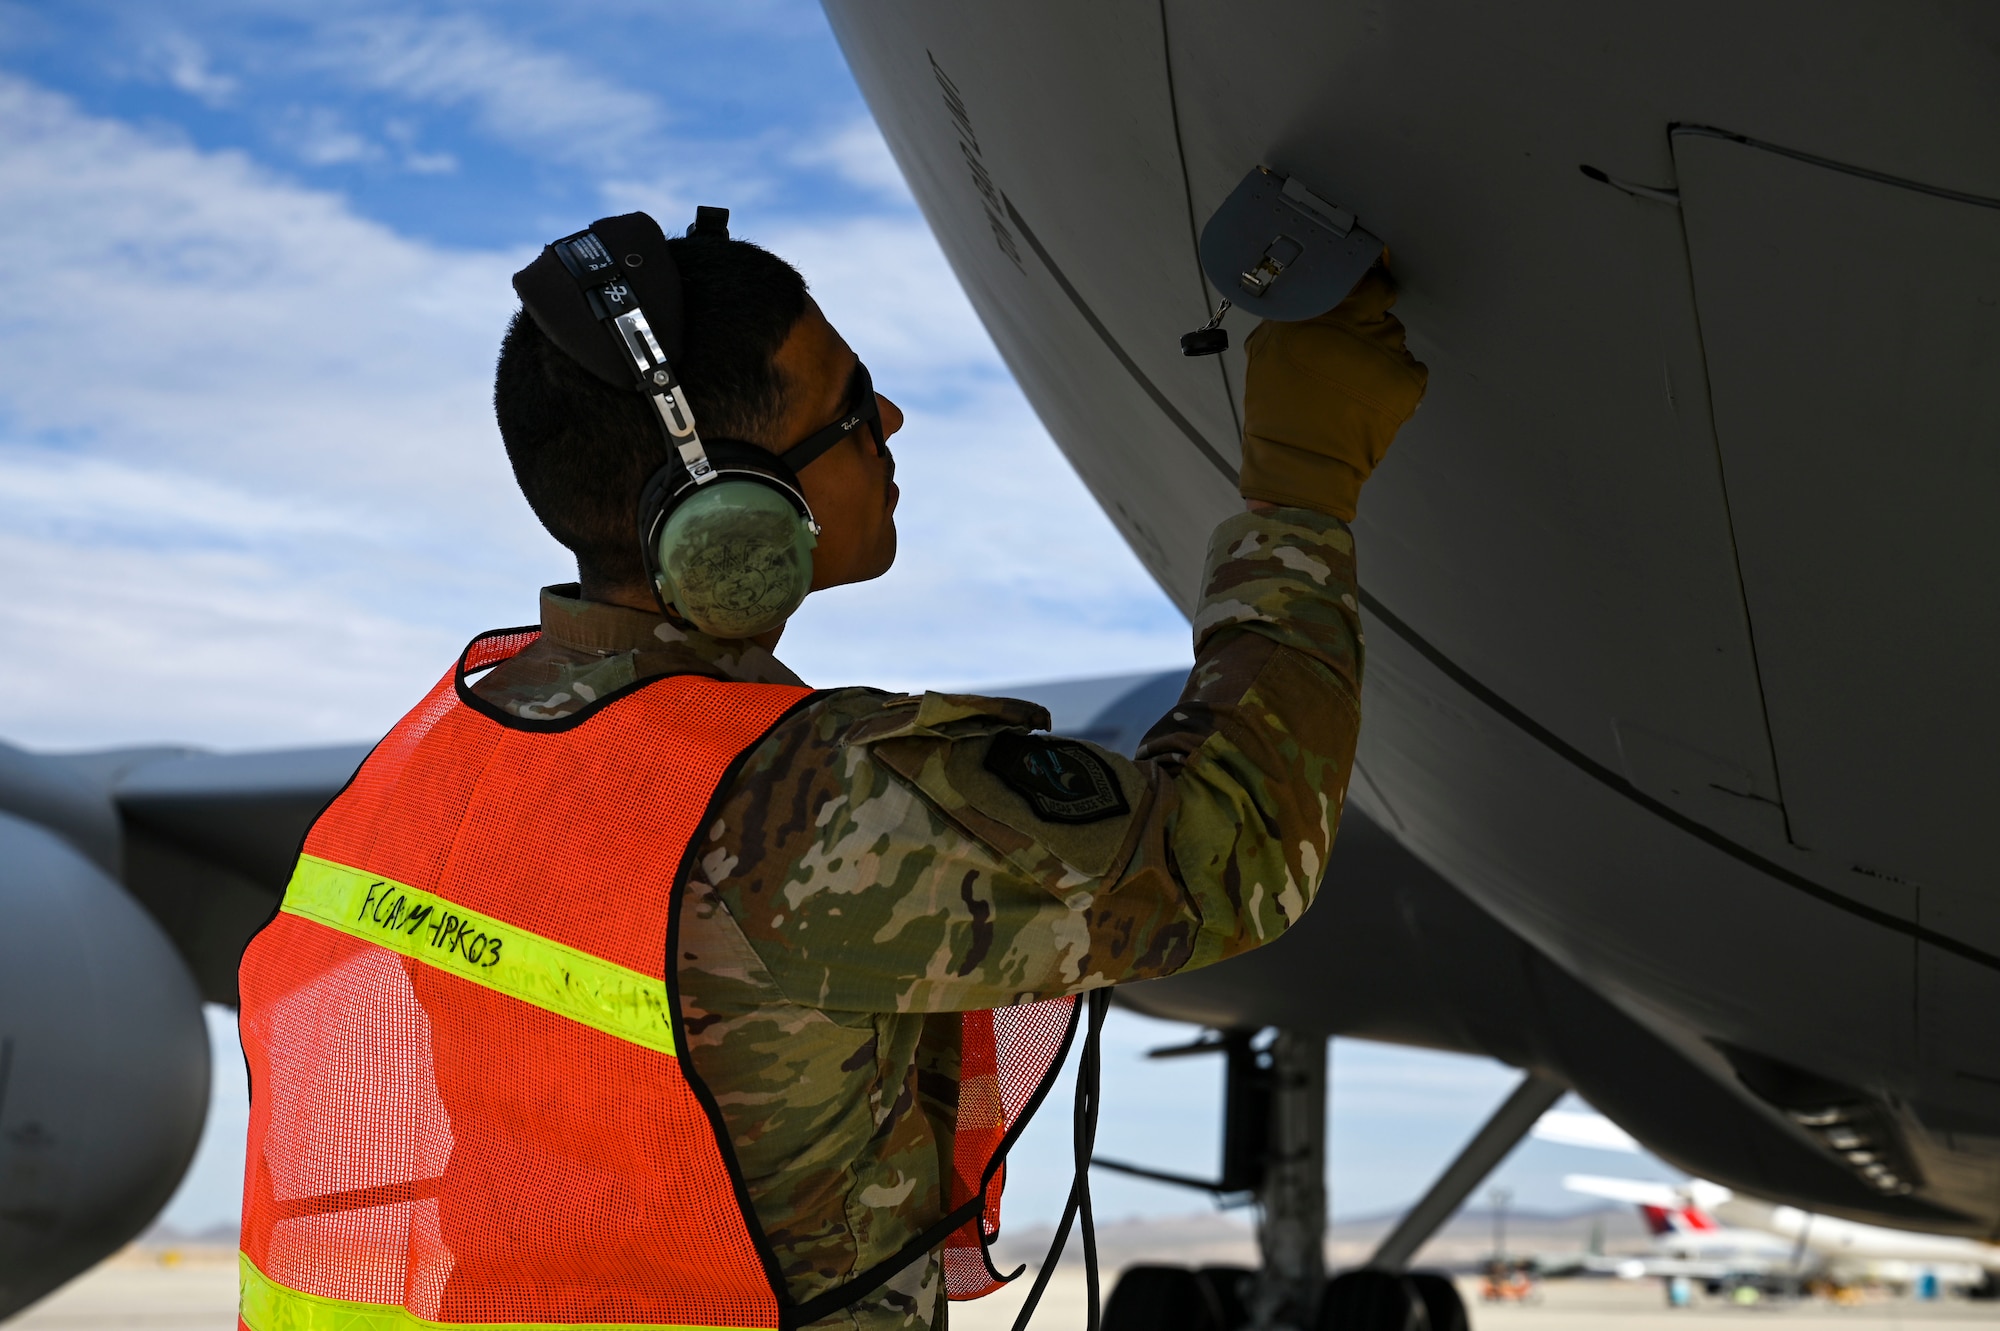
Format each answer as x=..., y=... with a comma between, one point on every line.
x=599, y=629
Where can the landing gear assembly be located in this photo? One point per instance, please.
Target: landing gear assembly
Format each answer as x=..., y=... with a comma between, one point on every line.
x=1274, y=1154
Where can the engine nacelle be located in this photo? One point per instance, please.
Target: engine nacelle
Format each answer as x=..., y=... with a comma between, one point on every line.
x=104, y=1063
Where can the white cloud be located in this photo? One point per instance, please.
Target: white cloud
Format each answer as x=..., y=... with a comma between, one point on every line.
x=319, y=136
x=415, y=159
x=154, y=605
x=1008, y=572
x=112, y=643
x=430, y=164
x=249, y=474
x=188, y=308
x=186, y=65
x=667, y=198
x=533, y=99
x=670, y=182
x=544, y=104
x=56, y=491
x=252, y=493
x=885, y=285
x=857, y=154
x=996, y=531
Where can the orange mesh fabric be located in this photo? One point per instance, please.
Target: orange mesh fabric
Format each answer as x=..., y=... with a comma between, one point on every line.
x=419, y=1141
x=490, y=649
x=1006, y=1056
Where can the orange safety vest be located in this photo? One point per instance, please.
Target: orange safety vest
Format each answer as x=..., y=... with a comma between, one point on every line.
x=463, y=1036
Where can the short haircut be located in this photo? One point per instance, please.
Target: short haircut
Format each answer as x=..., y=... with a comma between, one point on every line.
x=583, y=450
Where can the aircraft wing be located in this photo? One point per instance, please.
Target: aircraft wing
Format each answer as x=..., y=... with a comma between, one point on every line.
x=209, y=839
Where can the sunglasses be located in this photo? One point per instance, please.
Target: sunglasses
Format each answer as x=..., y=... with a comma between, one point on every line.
x=862, y=409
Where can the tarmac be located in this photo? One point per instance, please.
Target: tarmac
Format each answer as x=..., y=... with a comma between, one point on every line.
x=1575, y=1305
x=152, y=1289
x=155, y=1289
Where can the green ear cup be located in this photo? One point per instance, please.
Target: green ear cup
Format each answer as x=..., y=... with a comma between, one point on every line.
x=735, y=559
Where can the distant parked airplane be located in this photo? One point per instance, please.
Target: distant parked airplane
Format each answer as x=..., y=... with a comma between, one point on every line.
x=1707, y=1232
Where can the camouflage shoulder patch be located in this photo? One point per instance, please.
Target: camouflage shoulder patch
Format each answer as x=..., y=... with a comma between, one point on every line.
x=953, y=776
x=1062, y=780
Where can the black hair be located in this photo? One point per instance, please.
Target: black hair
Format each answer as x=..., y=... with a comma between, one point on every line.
x=583, y=450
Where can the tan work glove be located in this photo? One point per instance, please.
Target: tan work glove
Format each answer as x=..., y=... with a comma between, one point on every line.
x=1324, y=397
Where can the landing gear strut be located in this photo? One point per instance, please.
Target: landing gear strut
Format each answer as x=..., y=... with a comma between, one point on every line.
x=1274, y=1151
x=1291, y=1198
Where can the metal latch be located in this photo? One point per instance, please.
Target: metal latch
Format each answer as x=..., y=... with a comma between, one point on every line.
x=1278, y=256
x=1270, y=227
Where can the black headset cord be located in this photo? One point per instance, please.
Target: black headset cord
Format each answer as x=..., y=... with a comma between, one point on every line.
x=1089, y=1096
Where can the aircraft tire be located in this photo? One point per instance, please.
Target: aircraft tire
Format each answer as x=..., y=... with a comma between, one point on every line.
x=1161, y=1298
x=1442, y=1304
x=1230, y=1290
x=1366, y=1300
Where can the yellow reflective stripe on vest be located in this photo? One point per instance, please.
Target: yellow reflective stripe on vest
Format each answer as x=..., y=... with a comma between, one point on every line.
x=265, y=1305
x=502, y=957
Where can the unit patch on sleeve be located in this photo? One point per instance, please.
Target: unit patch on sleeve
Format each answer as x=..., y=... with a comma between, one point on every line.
x=1062, y=780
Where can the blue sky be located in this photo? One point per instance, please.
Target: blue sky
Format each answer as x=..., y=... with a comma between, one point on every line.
x=254, y=259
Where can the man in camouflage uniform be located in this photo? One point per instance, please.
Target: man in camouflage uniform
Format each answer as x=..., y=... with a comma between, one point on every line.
x=881, y=862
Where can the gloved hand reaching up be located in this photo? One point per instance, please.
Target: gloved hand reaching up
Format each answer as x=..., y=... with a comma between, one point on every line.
x=1323, y=399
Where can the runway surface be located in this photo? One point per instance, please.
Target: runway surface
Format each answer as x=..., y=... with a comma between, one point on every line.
x=1565, y=1306
x=196, y=1291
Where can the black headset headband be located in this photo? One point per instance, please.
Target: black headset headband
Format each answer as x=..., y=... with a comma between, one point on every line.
x=634, y=253
x=610, y=298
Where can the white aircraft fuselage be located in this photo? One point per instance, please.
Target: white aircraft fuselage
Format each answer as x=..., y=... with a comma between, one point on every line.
x=1707, y=1223
x=1678, y=600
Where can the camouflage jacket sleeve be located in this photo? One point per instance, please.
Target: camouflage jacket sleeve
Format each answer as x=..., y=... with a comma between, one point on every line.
x=925, y=853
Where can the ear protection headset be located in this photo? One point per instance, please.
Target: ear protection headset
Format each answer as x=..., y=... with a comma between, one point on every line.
x=724, y=527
